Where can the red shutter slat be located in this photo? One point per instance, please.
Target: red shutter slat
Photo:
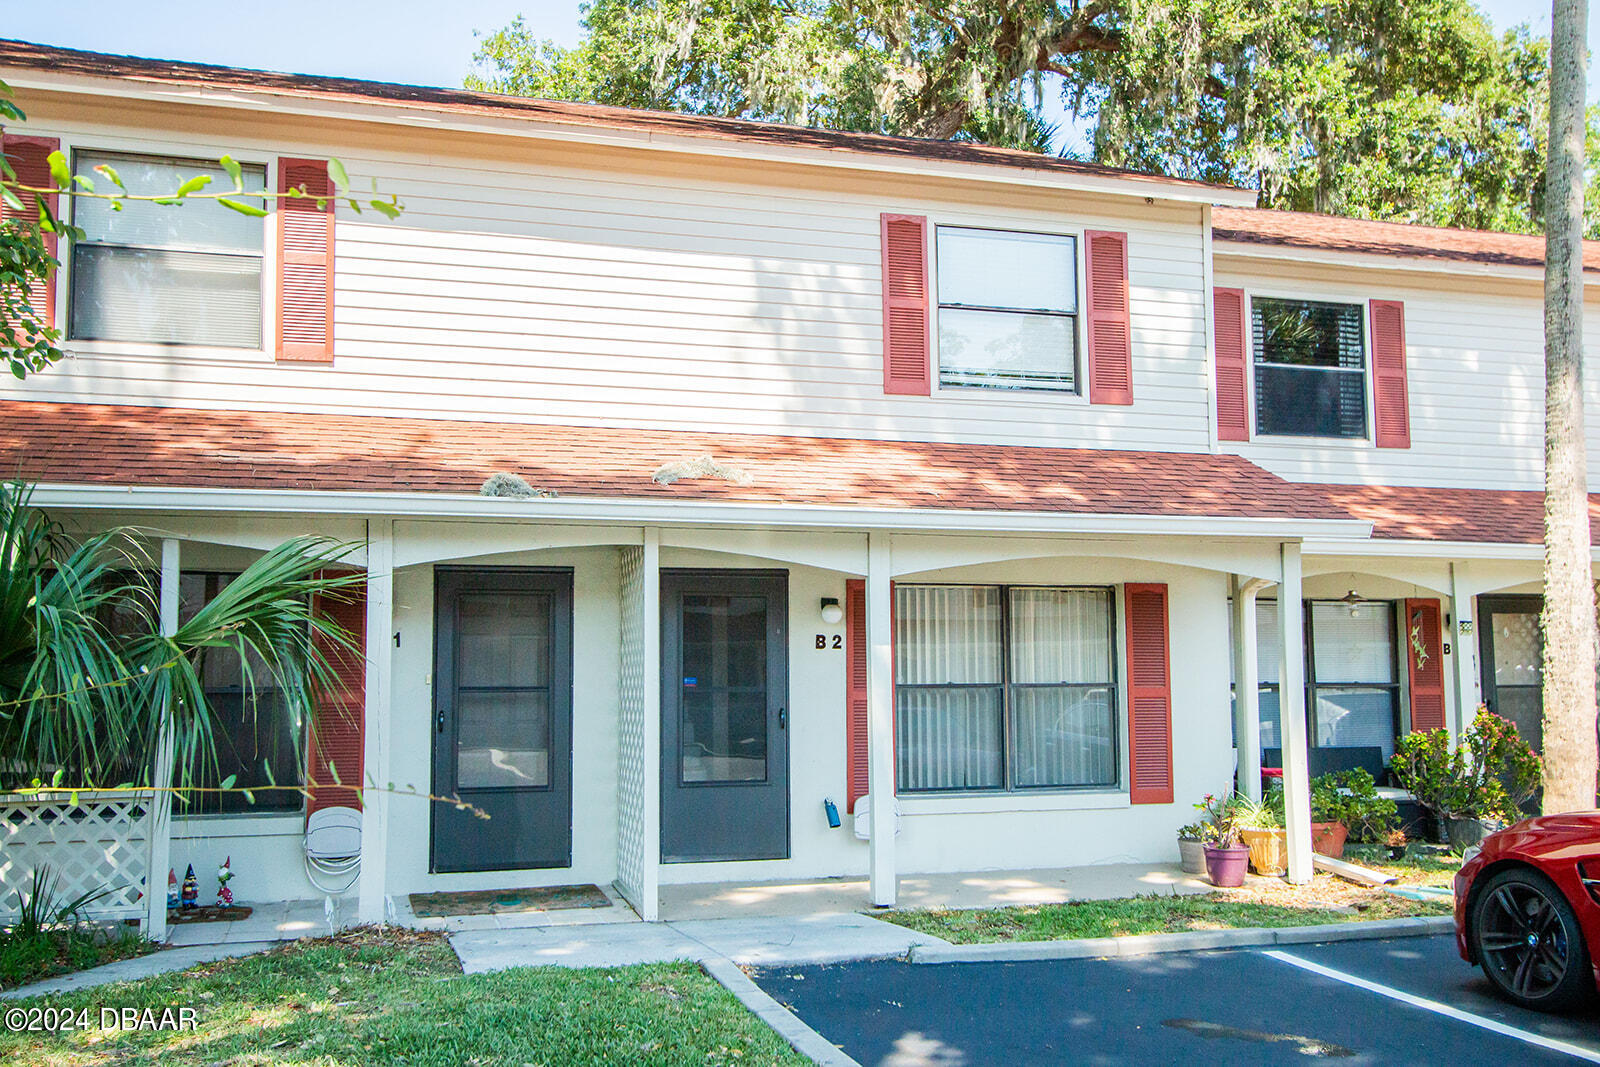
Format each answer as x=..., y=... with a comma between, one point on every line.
x=336, y=740
x=855, y=685
x=906, y=360
x=1149, y=694
x=1424, y=641
x=29, y=157
x=1110, y=326
x=1233, y=407
x=1391, y=411
x=305, y=263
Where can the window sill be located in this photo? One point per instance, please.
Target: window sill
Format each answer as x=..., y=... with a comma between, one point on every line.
x=1010, y=803
x=1294, y=440
x=273, y=824
x=995, y=392
x=150, y=350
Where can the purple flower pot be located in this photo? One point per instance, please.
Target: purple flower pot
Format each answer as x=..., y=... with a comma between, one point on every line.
x=1226, y=866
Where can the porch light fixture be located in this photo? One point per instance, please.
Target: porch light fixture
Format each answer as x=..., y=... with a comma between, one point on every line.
x=1353, y=600
x=832, y=613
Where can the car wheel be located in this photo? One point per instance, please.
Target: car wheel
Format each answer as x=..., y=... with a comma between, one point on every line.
x=1528, y=941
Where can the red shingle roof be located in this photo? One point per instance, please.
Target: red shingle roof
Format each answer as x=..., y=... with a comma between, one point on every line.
x=1496, y=516
x=27, y=55
x=149, y=446
x=1300, y=229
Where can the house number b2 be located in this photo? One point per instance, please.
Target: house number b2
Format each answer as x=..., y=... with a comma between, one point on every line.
x=824, y=642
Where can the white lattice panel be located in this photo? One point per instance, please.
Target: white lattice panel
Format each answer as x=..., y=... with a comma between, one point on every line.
x=101, y=842
x=631, y=784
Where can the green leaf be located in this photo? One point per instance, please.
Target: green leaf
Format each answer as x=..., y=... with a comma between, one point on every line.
x=235, y=172
x=194, y=185
x=111, y=172
x=384, y=208
x=59, y=776
x=59, y=172
x=227, y=783
x=242, y=208
x=336, y=171
x=355, y=205
x=249, y=797
x=11, y=198
x=84, y=181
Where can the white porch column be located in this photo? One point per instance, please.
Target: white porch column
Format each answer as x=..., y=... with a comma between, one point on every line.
x=155, y=889
x=1247, y=684
x=377, y=724
x=1463, y=641
x=650, y=811
x=880, y=721
x=1292, y=713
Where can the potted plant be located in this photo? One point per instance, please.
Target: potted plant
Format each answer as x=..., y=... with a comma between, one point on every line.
x=1395, y=842
x=1345, y=805
x=1192, y=847
x=1261, y=829
x=1226, y=858
x=1481, y=782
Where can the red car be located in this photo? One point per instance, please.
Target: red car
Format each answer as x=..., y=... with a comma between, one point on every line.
x=1528, y=910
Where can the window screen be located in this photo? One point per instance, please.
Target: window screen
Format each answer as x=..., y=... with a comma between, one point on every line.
x=166, y=274
x=1310, y=368
x=1008, y=306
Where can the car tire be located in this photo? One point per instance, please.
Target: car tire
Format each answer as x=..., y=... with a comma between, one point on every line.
x=1526, y=938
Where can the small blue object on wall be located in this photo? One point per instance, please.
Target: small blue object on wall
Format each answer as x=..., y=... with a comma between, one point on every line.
x=833, y=812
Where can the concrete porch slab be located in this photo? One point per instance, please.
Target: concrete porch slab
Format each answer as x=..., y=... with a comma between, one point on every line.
x=972, y=889
x=609, y=945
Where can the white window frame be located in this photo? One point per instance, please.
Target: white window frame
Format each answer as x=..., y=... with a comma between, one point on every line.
x=1078, y=394
x=1368, y=409
x=72, y=145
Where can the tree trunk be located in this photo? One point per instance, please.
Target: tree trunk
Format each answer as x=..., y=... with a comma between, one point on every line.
x=1569, y=597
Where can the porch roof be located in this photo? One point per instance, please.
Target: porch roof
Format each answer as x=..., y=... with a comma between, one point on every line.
x=1416, y=513
x=136, y=445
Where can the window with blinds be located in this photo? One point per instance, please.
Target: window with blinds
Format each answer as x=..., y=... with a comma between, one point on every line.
x=1004, y=688
x=166, y=274
x=1310, y=368
x=1008, y=307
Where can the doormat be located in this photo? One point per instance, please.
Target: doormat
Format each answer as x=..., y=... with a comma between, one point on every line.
x=208, y=913
x=507, y=901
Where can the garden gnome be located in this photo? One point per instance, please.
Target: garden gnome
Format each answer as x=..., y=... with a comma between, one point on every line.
x=172, y=888
x=224, y=876
x=191, y=889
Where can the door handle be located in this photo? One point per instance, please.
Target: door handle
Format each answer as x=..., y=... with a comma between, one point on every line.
x=783, y=719
x=440, y=720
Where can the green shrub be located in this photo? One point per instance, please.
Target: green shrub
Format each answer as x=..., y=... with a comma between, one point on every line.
x=1487, y=776
x=1351, y=797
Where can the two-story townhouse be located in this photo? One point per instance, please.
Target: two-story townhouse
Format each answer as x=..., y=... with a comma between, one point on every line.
x=866, y=468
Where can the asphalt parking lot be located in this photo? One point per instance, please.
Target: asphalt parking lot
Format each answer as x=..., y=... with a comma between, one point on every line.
x=1408, y=1000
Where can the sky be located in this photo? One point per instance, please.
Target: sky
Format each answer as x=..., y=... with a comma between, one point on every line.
x=423, y=42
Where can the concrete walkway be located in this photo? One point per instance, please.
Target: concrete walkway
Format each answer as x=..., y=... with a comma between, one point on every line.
x=163, y=962
x=776, y=941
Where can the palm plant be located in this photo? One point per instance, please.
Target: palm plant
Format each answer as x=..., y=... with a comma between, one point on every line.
x=88, y=683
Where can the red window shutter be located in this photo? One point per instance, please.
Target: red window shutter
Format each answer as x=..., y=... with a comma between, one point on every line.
x=305, y=262
x=1423, y=641
x=1390, y=403
x=855, y=685
x=337, y=736
x=29, y=157
x=1110, y=324
x=905, y=304
x=1233, y=407
x=1149, y=694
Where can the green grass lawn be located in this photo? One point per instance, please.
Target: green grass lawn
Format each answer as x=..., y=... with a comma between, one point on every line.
x=399, y=997
x=34, y=957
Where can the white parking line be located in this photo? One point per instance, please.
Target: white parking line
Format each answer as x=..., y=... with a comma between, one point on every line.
x=1564, y=1047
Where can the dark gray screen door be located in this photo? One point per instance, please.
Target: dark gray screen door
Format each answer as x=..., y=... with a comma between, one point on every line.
x=724, y=725
x=502, y=729
x=1512, y=660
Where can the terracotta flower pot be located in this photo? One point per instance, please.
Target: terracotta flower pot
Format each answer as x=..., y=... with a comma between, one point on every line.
x=1192, y=855
x=1226, y=866
x=1268, y=850
x=1328, y=838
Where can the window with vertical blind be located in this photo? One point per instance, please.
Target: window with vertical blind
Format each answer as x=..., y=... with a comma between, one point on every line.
x=159, y=274
x=1008, y=307
x=1004, y=688
x=1352, y=673
x=1310, y=368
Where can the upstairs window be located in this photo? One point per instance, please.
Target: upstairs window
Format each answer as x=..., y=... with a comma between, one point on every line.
x=166, y=274
x=1008, y=309
x=1310, y=367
